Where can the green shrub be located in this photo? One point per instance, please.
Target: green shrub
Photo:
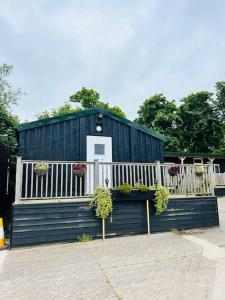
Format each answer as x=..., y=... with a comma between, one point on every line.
x=161, y=199
x=174, y=230
x=101, y=202
x=125, y=188
x=142, y=188
x=84, y=238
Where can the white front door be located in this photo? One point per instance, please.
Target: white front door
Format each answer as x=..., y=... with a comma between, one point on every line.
x=99, y=147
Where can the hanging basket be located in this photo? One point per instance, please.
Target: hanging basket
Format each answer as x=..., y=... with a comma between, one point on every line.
x=41, y=169
x=79, y=169
x=199, y=171
x=173, y=171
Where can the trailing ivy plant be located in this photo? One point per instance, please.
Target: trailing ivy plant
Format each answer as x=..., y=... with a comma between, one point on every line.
x=101, y=202
x=161, y=199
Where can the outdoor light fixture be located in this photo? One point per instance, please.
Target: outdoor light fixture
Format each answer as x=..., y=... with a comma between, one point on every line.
x=100, y=115
x=99, y=128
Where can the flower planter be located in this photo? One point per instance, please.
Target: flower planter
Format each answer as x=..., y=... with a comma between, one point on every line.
x=79, y=169
x=41, y=169
x=174, y=170
x=199, y=171
x=79, y=173
x=199, y=174
x=134, y=195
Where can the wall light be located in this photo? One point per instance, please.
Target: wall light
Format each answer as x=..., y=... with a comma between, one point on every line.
x=99, y=128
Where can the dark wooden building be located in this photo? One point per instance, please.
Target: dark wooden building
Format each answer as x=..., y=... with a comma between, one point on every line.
x=69, y=137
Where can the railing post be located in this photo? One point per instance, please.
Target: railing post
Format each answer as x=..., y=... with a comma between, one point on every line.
x=96, y=173
x=18, y=179
x=212, y=177
x=158, y=173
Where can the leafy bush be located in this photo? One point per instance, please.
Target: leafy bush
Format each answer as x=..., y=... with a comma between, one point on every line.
x=84, y=238
x=142, y=188
x=125, y=188
x=161, y=199
x=101, y=202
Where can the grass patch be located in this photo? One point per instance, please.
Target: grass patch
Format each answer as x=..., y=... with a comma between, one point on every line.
x=84, y=238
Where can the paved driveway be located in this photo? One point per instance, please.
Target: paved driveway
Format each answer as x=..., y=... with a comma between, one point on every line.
x=162, y=266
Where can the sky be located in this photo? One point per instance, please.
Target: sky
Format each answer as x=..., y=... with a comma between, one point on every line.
x=127, y=50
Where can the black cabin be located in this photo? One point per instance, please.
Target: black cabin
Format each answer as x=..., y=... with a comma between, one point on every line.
x=87, y=135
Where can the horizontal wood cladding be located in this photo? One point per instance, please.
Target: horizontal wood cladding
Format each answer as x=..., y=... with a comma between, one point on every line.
x=46, y=223
x=220, y=191
x=67, y=141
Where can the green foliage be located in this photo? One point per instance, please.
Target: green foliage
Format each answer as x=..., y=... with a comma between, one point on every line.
x=174, y=230
x=84, y=238
x=161, y=199
x=89, y=98
x=66, y=108
x=160, y=114
x=125, y=188
x=219, y=102
x=8, y=122
x=85, y=98
x=101, y=202
x=200, y=169
x=142, y=188
x=8, y=96
x=197, y=125
x=200, y=127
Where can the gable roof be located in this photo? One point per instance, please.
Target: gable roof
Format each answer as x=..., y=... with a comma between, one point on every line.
x=87, y=112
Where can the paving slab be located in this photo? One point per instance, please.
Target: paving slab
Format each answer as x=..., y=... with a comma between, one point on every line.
x=162, y=266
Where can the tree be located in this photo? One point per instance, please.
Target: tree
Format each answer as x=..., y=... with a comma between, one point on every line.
x=8, y=123
x=199, y=127
x=219, y=106
x=89, y=98
x=160, y=114
x=61, y=110
x=219, y=101
x=8, y=96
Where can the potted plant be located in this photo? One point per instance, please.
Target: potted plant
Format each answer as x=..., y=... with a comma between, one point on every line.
x=41, y=169
x=199, y=171
x=174, y=170
x=126, y=192
x=79, y=169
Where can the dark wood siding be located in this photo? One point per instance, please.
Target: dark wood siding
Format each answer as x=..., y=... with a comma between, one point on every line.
x=60, y=222
x=67, y=141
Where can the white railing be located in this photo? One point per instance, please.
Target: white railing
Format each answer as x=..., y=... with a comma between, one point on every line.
x=220, y=179
x=186, y=182
x=61, y=182
x=131, y=173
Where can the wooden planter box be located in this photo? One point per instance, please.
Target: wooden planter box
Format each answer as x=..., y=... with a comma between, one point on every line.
x=134, y=195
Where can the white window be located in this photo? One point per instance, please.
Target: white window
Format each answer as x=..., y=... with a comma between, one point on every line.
x=99, y=149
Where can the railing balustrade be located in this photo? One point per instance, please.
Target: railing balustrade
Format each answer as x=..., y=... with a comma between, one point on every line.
x=220, y=179
x=61, y=182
